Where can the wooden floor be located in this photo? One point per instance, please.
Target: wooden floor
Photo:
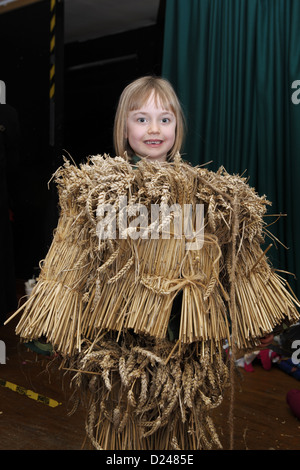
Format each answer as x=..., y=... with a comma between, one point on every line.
x=25, y=423
x=262, y=418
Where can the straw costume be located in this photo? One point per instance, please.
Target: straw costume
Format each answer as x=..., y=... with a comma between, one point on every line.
x=107, y=304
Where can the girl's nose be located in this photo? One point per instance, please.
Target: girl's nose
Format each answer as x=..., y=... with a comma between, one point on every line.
x=153, y=128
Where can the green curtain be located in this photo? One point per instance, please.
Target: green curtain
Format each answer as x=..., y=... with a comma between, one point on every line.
x=234, y=64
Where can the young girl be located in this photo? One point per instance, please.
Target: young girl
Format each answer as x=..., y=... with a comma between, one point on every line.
x=149, y=120
x=106, y=306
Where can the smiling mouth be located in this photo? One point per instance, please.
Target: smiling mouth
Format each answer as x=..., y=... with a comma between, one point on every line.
x=153, y=142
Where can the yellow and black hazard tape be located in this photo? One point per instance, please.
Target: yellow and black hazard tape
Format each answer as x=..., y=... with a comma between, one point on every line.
x=52, y=48
x=29, y=393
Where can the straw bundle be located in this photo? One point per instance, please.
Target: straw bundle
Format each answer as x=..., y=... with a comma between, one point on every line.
x=263, y=300
x=57, y=305
x=88, y=285
x=140, y=400
x=54, y=309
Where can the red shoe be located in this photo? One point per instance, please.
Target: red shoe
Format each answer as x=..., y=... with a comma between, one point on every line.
x=293, y=400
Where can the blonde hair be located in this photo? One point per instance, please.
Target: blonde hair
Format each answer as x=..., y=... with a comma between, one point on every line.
x=133, y=97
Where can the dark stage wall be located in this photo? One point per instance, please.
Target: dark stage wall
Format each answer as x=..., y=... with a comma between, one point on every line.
x=24, y=67
x=89, y=79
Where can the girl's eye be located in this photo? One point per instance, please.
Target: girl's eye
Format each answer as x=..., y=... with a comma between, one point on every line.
x=165, y=120
x=142, y=119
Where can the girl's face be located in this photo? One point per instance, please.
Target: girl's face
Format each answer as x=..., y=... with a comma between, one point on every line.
x=151, y=130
